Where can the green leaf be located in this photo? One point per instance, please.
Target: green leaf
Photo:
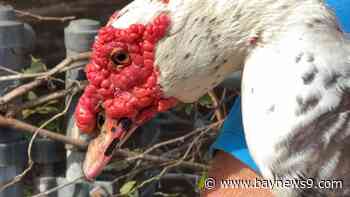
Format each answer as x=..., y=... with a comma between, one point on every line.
x=36, y=66
x=47, y=109
x=27, y=112
x=118, y=166
x=138, y=150
x=134, y=194
x=31, y=96
x=127, y=187
x=201, y=181
x=205, y=101
x=189, y=109
x=53, y=126
x=52, y=102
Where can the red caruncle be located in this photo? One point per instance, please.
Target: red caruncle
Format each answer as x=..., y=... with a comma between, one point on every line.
x=122, y=75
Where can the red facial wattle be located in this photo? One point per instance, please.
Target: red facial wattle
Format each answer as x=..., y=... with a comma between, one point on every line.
x=123, y=83
x=129, y=89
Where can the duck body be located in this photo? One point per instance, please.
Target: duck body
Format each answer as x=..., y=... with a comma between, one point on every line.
x=295, y=85
x=295, y=103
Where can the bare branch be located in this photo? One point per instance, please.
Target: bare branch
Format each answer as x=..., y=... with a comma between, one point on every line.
x=158, y=159
x=44, y=18
x=216, y=102
x=19, y=177
x=133, y=172
x=8, y=70
x=61, y=67
x=66, y=62
x=45, y=99
x=19, y=91
x=180, y=176
x=222, y=102
x=24, y=127
x=58, y=187
x=21, y=126
x=179, y=139
x=176, y=163
x=41, y=79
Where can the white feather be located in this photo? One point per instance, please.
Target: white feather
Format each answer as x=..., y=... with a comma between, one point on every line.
x=267, y=37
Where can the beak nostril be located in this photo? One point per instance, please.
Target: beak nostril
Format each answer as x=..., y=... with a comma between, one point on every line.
x=111, y=147
x=126, y=123
x=100, y=120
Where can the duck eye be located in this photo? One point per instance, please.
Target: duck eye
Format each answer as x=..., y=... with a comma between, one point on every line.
x=120, y=57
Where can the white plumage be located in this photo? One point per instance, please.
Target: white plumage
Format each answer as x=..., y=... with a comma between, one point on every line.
x=295, y=92
x=295, y=103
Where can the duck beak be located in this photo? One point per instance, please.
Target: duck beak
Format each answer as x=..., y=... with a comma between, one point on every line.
x=100, y=151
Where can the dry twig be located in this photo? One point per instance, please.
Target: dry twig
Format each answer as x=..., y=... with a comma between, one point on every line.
x=178, y=139
x=176, y=163
x=216, y=102
x=222, y=101
x=45, y=76
x=19, y=91
x=45, y=99
x=25, y=127
x=61, y=67
x=58, y=187
x=21, y=126
x=8, y=70
x=44, y=18
x=158, y=159
x=19, y=177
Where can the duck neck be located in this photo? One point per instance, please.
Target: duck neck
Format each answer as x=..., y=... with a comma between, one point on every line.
x=265, y=21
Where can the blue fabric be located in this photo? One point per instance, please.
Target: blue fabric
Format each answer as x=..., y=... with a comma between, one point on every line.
x=342, y=10
x=231, y=138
